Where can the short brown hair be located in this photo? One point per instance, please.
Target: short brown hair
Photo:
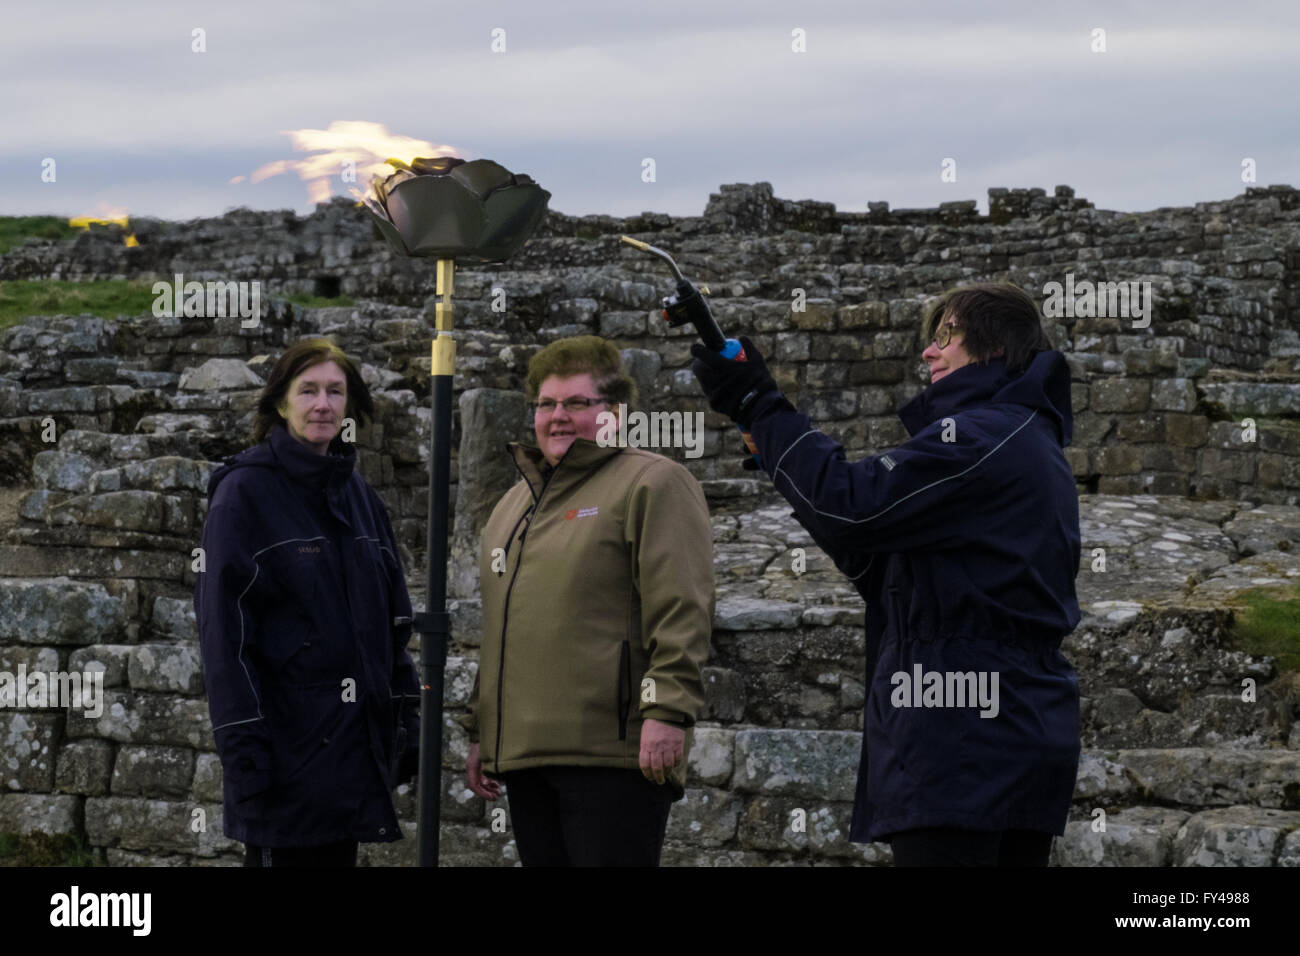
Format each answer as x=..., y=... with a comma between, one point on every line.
x=583, y=354
x=991, y=315
x=299, y=357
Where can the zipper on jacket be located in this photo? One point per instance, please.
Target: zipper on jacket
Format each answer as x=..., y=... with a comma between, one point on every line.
x=505, y=610
x=511, y=540
x=624, y=687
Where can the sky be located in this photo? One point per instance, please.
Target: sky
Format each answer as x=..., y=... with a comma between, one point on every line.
x=843, y=102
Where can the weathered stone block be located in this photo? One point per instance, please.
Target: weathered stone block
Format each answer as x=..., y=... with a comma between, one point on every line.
x=27, y=813
x=710, y=761
x=810, y=764
x=207, y=778
x=724, y=694
x=1173, y=394
x=144, y=718
x=750, y=614
x=1118, y=460
x=57, y=611
x=175, y=618
x=704, y=817
x=1186, y=431
x=1119, y=395
x=169, y=473
x=27, y=743
x=135, y=823
x=111, y=659
x=1135, y=836
x=794, y=824
x=623, y=325
x=174, y=668
x=63, y=471
x=864, y=315
x=84, y=767
x=1234, y=836
x=152, y=771
x=818, y=314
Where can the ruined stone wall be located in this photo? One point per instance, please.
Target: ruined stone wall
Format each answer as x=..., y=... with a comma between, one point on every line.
x=1159, y=409
x=108, y=430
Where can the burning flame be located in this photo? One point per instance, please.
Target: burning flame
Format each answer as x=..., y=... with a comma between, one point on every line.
x=366, y=146
x=108, y=216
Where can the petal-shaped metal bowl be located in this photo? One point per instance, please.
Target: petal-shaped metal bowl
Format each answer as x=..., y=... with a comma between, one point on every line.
x=476, y=212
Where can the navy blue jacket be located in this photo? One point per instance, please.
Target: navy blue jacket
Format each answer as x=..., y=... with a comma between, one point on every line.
x=303, y=619
x=964, y=542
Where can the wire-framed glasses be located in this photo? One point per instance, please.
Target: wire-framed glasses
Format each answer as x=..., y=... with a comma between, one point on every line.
x=572, y=405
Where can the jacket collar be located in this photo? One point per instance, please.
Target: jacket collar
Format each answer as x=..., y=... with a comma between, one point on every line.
x=583, y=457
x=1044, y=385
x=329, y=472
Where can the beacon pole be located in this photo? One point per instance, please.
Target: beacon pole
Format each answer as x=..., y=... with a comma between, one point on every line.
x=433, y=624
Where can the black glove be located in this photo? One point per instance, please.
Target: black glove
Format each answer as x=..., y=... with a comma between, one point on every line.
x=407, y=754
x=408, y=765
x=733, y=388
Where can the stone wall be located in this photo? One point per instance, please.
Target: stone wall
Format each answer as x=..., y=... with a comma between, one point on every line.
x=109, y=429
x=1159, y=409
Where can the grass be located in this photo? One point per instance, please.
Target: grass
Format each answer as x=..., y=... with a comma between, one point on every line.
x=107, y=299
x=42, y=849
x=1265, y=623
x=14, y=229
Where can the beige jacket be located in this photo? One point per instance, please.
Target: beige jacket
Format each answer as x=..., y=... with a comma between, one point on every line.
x=598, y=601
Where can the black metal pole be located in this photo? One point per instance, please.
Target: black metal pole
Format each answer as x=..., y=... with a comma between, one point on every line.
x=434, y=623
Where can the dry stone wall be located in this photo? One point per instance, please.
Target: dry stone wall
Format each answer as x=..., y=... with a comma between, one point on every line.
x=110, y=428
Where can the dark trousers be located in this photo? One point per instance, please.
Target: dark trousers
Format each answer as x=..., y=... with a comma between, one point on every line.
x=945, y=846
x=586, y=816
x=331, y=854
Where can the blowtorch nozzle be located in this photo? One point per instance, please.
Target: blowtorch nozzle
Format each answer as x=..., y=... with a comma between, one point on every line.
x=688, y=304
x=654, y=251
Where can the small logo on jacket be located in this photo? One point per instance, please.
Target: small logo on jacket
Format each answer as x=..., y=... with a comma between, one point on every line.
x=309, y=549
x=580, y=513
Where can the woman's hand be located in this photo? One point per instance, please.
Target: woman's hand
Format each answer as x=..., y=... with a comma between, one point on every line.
x=485, y=787
x=661, y=748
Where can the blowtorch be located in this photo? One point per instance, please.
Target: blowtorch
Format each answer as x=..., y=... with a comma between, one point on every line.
x=687, y=305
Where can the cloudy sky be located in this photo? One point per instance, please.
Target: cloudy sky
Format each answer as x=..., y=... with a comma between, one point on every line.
x=579, y=94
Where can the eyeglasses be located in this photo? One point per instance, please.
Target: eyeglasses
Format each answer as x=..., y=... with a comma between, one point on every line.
x=944, y=335
x=578, y=403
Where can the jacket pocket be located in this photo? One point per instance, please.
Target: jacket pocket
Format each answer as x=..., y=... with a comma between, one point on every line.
x=624, y=691
x=900, y=624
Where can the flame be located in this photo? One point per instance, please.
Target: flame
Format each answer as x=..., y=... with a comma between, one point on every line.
x=108, y=216
x=366, y=145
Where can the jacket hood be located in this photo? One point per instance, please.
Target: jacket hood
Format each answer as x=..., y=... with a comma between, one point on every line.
x=1044, y=385
x=305, y=468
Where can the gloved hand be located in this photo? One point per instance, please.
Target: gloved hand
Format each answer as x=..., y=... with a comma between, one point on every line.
x=407, y=753
x=408, y=766
x=733, y=388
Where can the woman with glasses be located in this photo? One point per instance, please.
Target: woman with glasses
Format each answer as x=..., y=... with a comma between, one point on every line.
x=597, y=582
x=964, y=542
